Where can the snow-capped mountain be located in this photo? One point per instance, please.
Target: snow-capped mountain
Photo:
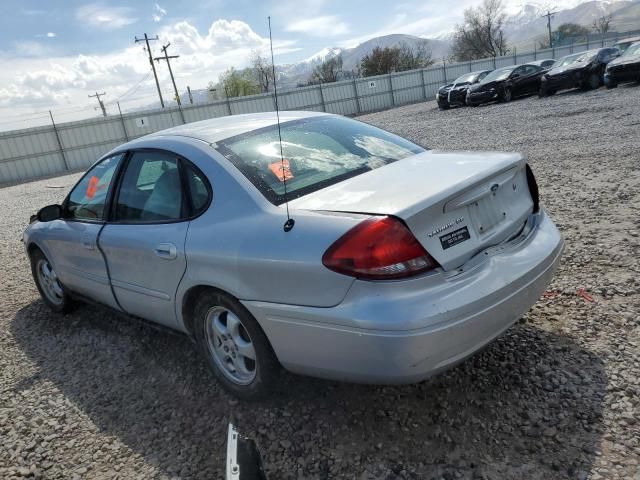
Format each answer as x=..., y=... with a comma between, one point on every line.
x=324, y=54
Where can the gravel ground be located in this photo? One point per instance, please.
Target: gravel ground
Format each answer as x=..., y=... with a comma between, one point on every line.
x=94, y=395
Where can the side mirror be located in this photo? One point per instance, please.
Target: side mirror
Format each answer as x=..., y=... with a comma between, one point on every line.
x=515, y=75
x=49, y=213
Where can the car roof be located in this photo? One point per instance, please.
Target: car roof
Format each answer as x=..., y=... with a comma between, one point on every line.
x=629, y=39
x=220, y=128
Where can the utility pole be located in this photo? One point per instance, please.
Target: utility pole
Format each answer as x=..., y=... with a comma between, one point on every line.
x=168, y=58
x=190, y=96
x=153, y=67
x=549, y=14
x=98, y=95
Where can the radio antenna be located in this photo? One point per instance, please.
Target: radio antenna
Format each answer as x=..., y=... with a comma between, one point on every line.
x=288, y=225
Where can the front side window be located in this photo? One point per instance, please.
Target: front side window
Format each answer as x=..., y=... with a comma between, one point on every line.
x=316, y=152
x=151, y=189
x=88, y=198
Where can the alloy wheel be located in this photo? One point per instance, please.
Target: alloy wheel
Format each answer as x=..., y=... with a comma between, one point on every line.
x=48, y=280
x=230, y=345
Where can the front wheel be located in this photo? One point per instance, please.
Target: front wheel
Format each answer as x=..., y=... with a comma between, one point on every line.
x=593, y=82
x=236, y=348
x=507, y=95
x=51, y=290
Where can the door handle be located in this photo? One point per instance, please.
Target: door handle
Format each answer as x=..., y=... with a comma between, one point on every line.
x=168, y=251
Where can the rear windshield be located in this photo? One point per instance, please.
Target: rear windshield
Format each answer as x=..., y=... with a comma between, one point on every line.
x=317, y=152
x=564, y=61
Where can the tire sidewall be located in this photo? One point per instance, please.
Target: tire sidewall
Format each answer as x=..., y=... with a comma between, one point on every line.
x=267, y=366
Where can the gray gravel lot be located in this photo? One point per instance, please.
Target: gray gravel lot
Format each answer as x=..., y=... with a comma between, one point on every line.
x=94, y=395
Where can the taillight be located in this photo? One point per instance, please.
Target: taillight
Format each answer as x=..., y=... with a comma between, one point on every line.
x=378, y=248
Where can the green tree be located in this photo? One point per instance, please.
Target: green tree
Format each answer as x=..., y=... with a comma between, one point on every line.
x=396, y=59
x=234, y=83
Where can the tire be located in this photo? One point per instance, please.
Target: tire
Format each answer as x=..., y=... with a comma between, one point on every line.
x=592, y=83
x=542, y=93
x=228, y=336
x=506, y=96
x=443, y=107
x=611, y=85
x=53, y=293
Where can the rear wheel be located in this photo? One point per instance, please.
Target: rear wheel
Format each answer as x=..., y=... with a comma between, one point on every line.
x=611, y=85
x=49, y=286
x=236, y=348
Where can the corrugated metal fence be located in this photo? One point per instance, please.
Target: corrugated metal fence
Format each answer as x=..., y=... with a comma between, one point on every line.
x=42, y=151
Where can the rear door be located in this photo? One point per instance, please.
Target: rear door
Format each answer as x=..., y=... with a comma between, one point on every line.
x=144, y=241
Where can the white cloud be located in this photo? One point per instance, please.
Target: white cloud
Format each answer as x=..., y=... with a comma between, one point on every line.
x=46, y=35
x=158, y=13
x=323, y=26
x=103, y=17
x=51, y=83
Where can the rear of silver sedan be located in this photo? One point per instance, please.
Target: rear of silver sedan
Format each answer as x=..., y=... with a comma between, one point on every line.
x=403, y=331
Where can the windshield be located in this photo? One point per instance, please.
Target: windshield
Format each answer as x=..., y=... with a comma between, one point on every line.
x=587, y=56
x=564, y=61
x=466, y=78
x=498, y=75
x=318, y=152
x=632, y=50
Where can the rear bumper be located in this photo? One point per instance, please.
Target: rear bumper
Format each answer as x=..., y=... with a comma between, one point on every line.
x=406, y=331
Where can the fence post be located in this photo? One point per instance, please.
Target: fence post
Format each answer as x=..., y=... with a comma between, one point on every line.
x=494, y=62
x=124, y=127
x=355, y=92
x=470, y=69
x=393, y=99
x=588, y=36
x=55, y=129
x=444, y=70
x=228, y=106
x=515, y=56
x=535, y=51
x=424, y=85
x=324, y=107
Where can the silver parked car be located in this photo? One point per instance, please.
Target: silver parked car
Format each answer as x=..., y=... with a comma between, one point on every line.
x=401, y=262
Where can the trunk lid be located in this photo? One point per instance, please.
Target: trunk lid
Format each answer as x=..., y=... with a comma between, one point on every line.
x=455, y=203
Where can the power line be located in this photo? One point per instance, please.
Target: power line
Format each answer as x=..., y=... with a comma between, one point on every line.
x=153, y=67
x=97, y=96
x=132, y=89
x=167, y=58
x=549, y=14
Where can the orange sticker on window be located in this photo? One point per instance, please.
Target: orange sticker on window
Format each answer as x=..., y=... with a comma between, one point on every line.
x=281, y=169
x=92, y=188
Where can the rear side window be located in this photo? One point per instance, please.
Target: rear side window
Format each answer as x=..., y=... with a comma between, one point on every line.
x=199, y=190
x=317, y=152
x=151, y=189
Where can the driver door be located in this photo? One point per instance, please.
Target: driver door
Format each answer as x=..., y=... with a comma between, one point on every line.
x=72, y=240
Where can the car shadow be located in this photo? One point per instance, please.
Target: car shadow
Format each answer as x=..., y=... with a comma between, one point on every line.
x=531, y=403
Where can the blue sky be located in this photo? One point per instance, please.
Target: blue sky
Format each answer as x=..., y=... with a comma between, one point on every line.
x=57, y=52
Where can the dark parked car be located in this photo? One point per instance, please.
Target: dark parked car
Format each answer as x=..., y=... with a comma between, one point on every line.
x=584, y=70
x=455, y=94
x=506, y=83
x=547, y=63
x=626, y=68
x=625, y=43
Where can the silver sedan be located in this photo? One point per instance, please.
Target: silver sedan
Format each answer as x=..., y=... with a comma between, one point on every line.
x=343, y=251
